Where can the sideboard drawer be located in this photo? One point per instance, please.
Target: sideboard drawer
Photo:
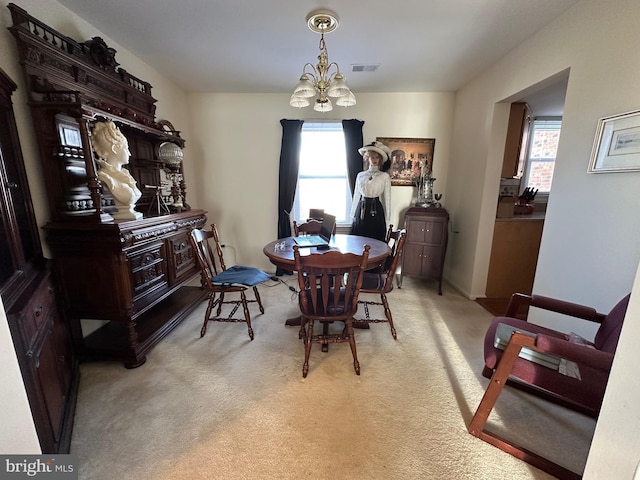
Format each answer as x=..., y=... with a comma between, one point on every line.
x=37, y=309
x=147, y=266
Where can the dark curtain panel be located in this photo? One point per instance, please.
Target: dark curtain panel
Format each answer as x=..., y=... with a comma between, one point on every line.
x=288, y=177
x=353, y=140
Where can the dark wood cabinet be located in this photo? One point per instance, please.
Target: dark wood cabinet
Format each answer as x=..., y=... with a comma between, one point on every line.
x=129, y=275
x=426, y=243
x=40, y=335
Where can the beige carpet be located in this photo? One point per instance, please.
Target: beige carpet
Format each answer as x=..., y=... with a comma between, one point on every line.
x=223, y=407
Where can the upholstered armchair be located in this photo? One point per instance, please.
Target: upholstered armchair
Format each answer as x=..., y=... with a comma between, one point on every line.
x=561, y=367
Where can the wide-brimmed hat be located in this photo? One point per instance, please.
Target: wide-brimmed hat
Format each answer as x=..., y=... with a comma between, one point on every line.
x=378, y=147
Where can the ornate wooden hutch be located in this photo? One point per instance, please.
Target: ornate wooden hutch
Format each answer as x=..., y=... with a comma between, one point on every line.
x=128, y=275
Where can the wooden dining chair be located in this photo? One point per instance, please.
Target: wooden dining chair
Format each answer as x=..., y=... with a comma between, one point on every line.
x=310, y=227
x=329, y=286
x=221, y=281
x=380, y=282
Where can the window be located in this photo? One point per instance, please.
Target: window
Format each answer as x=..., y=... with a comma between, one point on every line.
x=541, y=154
x=322, y=175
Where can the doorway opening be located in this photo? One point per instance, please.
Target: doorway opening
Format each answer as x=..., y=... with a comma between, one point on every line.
x=518, y=232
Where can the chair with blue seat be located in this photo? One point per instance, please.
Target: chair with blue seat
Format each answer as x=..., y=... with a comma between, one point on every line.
x=221, y=281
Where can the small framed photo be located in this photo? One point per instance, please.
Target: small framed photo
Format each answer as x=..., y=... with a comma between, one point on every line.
x=68, y=131
x=617, y=144
x=410, y=158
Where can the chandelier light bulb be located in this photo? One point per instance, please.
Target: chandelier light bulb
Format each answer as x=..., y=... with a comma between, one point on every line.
x=323, y=106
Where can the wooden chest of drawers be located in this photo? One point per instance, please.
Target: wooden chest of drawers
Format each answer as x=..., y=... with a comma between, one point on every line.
x=426, y=244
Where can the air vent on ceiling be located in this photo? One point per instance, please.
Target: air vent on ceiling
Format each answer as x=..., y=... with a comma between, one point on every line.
x=364, y=68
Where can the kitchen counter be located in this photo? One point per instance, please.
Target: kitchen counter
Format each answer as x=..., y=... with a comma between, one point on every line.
x=520, y=218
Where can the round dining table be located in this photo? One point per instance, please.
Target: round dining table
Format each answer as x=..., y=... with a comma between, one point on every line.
x=280, y=253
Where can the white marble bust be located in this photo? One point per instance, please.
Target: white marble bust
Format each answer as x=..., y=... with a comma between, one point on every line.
x=113, y=149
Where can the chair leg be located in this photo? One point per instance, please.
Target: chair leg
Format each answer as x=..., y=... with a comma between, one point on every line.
x=491, y=394
x=352, y=344
x=387, y=313
x=302, y=333
x=207, y=315
x=247, y=316
x=220, y=302
x=255, y=292
x=307, y=347
x=325, y=333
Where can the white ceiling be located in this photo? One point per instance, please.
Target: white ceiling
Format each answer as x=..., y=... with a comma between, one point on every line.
x=260, y=46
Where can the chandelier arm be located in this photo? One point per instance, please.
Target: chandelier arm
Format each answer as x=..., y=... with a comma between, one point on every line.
x=333, y=64
x=313, y=73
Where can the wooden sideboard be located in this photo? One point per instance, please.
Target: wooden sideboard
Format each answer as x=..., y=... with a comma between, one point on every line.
x=131, y=275
x=426, y=243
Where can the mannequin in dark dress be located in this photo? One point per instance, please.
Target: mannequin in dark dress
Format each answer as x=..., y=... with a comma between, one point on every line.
x=370, y=208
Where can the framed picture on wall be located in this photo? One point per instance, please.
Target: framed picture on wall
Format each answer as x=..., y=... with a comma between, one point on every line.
x=410, y=158
x=617, y=144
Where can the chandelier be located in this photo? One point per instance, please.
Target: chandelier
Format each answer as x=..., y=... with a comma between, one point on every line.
x=317, y=81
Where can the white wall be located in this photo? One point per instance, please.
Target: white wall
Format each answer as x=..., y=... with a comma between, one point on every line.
x=589, y=232
x=18, y=433
x=237, y=144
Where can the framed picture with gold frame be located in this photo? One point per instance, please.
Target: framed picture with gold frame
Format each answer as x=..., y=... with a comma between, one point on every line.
x=410, y=158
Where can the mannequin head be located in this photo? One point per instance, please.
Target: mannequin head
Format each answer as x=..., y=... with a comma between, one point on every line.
x=374, y=158
x=376, y=153
x=110, y=144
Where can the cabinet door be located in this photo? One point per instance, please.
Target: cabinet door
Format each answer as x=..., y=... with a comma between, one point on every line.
x=415, y=231
x=428, y=231
x=434, y=231
x=182, y=263
x=45, y=363
x=63, y=351
x=516, y=140
x=412, y=259
x=432, y=261
x=19, y=240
